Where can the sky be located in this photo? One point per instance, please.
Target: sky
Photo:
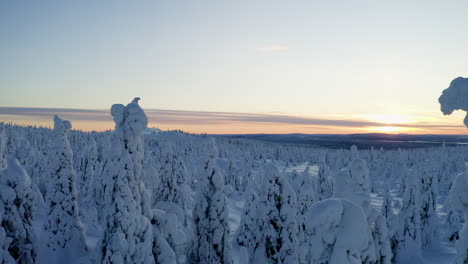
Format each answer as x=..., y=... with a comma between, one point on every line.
x=333, y=66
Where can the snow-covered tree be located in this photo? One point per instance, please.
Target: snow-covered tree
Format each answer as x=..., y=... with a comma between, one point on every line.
x=325, y=184
x=406, y=242
x=16, y=193
x=429, y=220
x=128, y=235
x=65, y=238
x=2, y=148
x=455, y=97
x=380, y=235
x=172, y=181
x=169, y=236
x=248, y=234
x=353, y=184
x=458, y=198
x=5, y=241
x=454, y=220
x=338, y=233
x=387, y=209
x=305, y=199
x=277, y=219
x=211, y=217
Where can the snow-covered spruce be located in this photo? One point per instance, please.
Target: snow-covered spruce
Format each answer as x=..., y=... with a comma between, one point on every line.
x=276, y=223
x=210, y=214
x=455, y=97
x=429, y=220
x=5, y=241
x=2, y=148
x=458, y=198
x=65, y=238
x=128, y=235
x=338, y=233
x=247, y=234
x=17, y=212
x=406, y=242
x=353, y=184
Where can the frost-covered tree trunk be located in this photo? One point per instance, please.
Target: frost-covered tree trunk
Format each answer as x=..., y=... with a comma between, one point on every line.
x=17, y=212
x=64, y=232
x=211, y=218
x=128, y=235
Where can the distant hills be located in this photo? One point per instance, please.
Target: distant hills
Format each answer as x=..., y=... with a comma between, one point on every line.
x=363, y=141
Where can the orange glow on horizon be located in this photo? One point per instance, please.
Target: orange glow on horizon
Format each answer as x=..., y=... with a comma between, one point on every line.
x=254, y=127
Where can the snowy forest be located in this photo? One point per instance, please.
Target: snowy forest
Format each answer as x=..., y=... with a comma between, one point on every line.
x=140, y=195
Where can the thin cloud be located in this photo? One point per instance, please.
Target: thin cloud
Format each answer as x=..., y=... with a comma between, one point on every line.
x=273, y=48
x=176, y=118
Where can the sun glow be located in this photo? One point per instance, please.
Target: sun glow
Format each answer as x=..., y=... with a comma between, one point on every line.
x=390, y=129
x=390, y=118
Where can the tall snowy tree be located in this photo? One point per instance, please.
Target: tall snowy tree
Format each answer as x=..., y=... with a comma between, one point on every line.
x=5, y=241
x=429, y=220
x=406, y=242
x=338, y=233
x=248, y=234
x=2, y=148
x=211, y=217
x=277, y=219
x=128, y=235
x=387, y=210
x=64, y=239
x=16, y=193
x=325, y=184
x=353, y=184
x=458, y=198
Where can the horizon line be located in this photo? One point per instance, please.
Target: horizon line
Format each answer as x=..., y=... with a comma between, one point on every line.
x=194, y=121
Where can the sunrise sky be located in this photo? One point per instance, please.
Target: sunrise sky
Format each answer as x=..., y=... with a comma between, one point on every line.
x=235, y=67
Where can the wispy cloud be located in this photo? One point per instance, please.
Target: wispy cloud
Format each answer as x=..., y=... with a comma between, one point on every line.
x=273, y=48
x=199, y=120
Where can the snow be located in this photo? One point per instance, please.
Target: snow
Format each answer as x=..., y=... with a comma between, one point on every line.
x=455, y=97
x=147, y=196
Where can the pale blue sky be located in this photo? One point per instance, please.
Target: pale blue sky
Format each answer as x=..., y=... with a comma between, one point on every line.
x=314, y=58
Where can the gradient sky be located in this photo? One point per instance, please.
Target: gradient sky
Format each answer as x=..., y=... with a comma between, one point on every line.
x=382, y=62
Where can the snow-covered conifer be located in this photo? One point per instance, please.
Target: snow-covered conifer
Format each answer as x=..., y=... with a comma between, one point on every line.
x=325, y=184
x=277, y=219
x=387, y=210
x=458, y=198
x=5, y=241
x=17, y=215
x=248, y=234
x=429, y=220
x=128, y=235
x=211, y=217
x=406, y=242
x=338, y=233
x=65, y=238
